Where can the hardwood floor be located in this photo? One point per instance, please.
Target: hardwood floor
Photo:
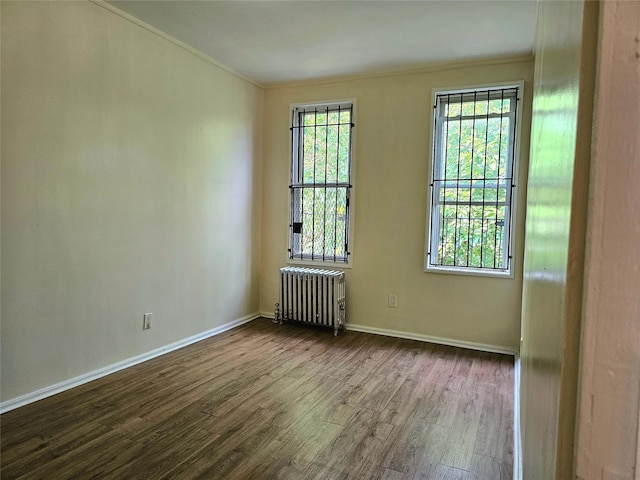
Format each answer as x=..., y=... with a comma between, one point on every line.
x=264, y=401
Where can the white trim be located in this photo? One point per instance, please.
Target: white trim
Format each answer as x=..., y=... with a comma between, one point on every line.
x=393, y=72
x=129, y=362
x=318, y=263
x=175, y=41
x=515, y=176
x=483, y=347
x=474, y=272
x=517, y=434
x=352, y=190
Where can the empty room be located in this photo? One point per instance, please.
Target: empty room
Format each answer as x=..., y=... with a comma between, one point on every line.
x=319, y=239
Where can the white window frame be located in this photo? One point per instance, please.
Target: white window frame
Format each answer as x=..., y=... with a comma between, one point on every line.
x=432, y=227
x=291, y=257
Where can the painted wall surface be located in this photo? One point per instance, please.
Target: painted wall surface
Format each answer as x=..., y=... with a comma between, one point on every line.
x=608, y=422
x=554, y=235
x=130, y=184
x=392, y=144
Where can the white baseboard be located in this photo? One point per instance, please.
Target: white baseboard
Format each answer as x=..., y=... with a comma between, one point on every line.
x=420, y=337
x=428, y=338
x=101, y=372
x=517, y=433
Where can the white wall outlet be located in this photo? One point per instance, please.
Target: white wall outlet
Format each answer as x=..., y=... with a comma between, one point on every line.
x=146, y=322
x=393, y=300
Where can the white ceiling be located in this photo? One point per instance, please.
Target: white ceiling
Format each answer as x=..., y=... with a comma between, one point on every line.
x=275, y=41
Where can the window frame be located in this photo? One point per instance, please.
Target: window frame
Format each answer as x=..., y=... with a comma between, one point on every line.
x=436, y=140
x=293, y=164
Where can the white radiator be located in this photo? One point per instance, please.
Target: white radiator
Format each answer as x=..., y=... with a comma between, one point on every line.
x=312, y=296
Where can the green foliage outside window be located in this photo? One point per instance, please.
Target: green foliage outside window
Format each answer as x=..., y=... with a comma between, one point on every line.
x=320, y=195
x=472, y=181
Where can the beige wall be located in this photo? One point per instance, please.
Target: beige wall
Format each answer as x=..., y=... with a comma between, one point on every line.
x=130, y=184
x=608, y=423
x=391, y=177
x=556, y=217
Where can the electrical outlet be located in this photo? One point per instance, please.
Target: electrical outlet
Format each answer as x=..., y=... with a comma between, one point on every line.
x=146, y=322
x=393, y=300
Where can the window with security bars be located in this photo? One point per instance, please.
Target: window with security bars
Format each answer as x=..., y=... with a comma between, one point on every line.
x=320, y=182
x=473, y=183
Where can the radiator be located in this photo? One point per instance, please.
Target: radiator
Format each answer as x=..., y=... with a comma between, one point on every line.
x=312, y=296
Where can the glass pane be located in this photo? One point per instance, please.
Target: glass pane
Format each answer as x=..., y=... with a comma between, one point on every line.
x=309, y=119
x=500, y=105
x=451, y=144
x=326, y=147
x=472, y=236
x=505, y=170
x=452, y=110
x=323, y=214
x=456, y=105
x=321, y=118
x=476, y=148
x=479, y=150
x=497, y=148
x=308, y=152
x=320, y=152
x=481, y=107
x=343, y=152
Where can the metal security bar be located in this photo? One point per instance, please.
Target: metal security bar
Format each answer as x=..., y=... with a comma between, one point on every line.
x=472, y=179
x=320, y=182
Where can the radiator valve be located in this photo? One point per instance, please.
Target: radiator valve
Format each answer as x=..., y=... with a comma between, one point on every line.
x=277, y=318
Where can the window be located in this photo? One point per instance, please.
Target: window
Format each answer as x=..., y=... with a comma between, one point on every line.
x=473, y=184
x=320, y=182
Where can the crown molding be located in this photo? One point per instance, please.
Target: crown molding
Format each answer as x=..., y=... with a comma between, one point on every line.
x=425, y=68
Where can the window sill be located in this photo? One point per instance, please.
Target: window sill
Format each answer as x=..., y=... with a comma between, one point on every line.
x=318, y=263
x=474, y=272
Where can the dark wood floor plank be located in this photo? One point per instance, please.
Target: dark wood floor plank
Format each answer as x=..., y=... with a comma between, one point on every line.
x=495, y=427
x=460, y=448
x=97, y=458
x=224, y=451
x=381, y=473
x=160, y=457
x=489, y=468
x=333, y=455
x=444, y=472
x=264, y=401
x=418, y=445
x=363, y=459
x=257, y=464
x=49, y=448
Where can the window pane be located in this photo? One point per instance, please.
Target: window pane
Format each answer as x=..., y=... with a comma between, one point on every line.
x=472, y=181
x=322, y=213
x=343, y=152
x=465, y=191
x=308, y=153
x=309, y=119
x=320, y=154
x=320, y=159
x=481, y=106
x=321, y=117
x=326, y=147
x=472, y=236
